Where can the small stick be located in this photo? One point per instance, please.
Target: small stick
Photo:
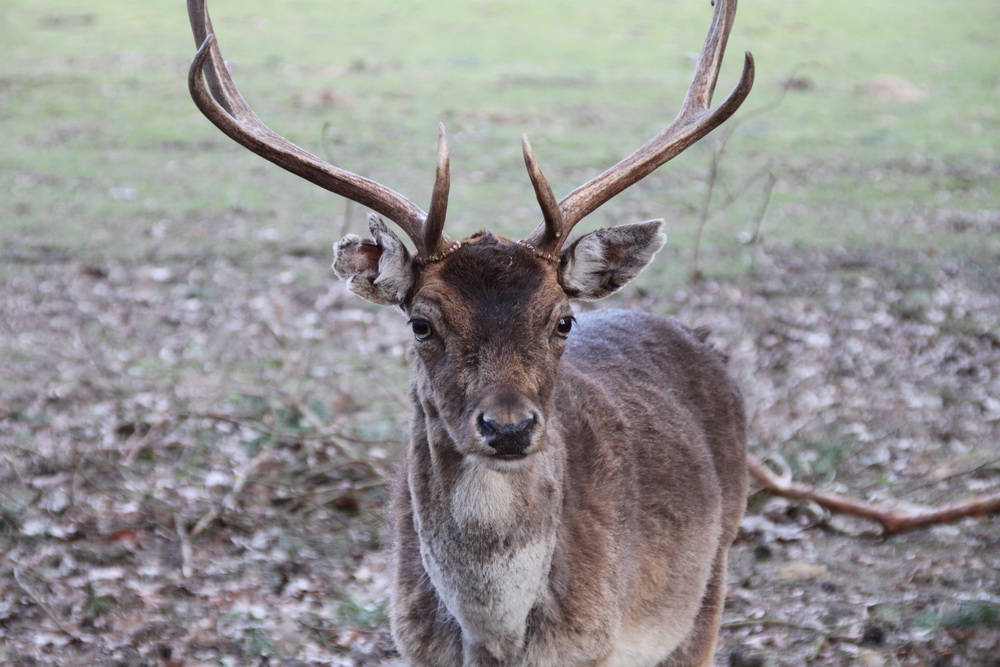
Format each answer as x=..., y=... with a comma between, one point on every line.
x=187, y=554
x=63, y=626
x=230, y=498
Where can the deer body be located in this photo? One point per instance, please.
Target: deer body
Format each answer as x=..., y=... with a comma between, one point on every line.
x=570, y=488
x=598, y=548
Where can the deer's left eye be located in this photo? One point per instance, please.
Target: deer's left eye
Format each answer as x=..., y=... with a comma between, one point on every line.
x=565, y=325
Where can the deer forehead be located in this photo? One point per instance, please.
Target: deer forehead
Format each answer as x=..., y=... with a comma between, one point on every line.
x=490, y=282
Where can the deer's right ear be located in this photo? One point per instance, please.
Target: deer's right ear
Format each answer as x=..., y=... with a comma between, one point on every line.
x=379, y=270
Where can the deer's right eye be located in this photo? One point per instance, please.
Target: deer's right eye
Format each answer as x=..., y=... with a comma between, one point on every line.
x=421, y=329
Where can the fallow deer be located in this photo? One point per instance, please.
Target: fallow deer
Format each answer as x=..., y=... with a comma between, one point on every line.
x=571, y=485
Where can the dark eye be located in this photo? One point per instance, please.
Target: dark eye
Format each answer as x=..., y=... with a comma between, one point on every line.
x=565, y=325
x=421, y=329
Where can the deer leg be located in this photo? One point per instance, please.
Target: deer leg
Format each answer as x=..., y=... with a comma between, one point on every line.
x=698, y=648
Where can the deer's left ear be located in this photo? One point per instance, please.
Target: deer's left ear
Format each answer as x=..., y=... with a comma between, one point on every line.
x=602, y=262
x=379, y=270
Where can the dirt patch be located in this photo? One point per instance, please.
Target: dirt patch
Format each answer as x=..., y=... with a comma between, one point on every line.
x=196, y=453
x=892, y=88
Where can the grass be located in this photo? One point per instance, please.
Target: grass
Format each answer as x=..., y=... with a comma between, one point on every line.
x=357, y=614
x=964, y=616
x=107, y=156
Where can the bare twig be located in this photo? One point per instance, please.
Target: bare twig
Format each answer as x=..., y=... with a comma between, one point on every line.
x=326, y=141
x=769, y=620
x=955, y=475
x=63, y=626
x=248, y=421
x=361, y=488
x=229, y=501
x=892, y=520
x=823, y=635
x=158, y=433
x=316, y=423
x=187, y=555
x=707, y=210
x=755, y=241
x=706, y=205
x=706, y=213
x=331, y=437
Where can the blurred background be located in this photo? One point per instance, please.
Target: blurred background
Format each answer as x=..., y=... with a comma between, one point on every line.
x=198, y=423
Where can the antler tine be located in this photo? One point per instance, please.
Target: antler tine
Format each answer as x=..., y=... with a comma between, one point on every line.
x=550, y=233
x=706, y=74
x=695, y=120
x=220, y=101
x=434, y=238
x=201, y=27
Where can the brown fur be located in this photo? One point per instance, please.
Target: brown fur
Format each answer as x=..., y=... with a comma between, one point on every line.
x=611, y=535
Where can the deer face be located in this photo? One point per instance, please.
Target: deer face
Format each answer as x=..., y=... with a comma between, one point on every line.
x=490, y=321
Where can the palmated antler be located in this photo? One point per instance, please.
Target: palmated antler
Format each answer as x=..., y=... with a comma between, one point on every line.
x=217, y=97
x=696, y=119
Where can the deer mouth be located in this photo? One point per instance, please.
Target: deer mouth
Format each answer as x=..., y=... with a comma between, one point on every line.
x=510, y=457
x=504, y=463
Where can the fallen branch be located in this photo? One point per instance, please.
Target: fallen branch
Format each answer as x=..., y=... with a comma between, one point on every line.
x=892, y=520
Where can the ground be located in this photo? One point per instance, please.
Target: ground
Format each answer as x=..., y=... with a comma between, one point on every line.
x=196, y=454
x=198, y=424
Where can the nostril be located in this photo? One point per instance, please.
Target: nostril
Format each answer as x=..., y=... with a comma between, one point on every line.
x=524, y=425
x=489, y=428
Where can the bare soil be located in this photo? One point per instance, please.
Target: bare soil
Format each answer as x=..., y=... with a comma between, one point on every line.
x=195, y=453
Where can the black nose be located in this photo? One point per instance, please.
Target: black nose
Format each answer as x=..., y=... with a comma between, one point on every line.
x=507, y=439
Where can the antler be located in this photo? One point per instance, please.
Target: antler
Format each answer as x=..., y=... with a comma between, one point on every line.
x=217, y=97
x=695, y=120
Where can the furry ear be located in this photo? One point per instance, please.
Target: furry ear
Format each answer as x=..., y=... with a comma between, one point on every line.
x=602, y=262
x=379, y=270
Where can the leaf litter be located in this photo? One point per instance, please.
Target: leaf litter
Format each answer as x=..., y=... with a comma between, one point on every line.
x=196, y=455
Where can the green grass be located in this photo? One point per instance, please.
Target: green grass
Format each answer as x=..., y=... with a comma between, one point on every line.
x=106, y=155
x=354, y=613
x=965, y=616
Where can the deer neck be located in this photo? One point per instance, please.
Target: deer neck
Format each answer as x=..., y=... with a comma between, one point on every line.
x=487, y=534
